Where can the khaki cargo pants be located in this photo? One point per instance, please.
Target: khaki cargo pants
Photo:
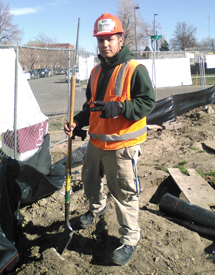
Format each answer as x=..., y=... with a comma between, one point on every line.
x=120, y=175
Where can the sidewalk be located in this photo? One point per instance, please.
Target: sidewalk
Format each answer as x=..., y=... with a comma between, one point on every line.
x=162, y=93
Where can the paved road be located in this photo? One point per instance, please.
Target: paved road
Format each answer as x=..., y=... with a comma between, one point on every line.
x=52, y=94
x=162, y=93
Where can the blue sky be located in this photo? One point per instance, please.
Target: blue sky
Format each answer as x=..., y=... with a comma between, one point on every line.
x=58, y=19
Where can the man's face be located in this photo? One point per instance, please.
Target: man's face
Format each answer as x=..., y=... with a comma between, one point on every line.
x=109, y=45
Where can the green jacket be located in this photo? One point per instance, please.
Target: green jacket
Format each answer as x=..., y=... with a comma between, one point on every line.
x=142, y=93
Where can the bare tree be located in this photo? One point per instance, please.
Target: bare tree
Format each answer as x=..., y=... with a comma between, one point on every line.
x=208, y=43
x=9, y=33
x=44, y=39
x=212, y=44
x=127, y=14
x=183, y=37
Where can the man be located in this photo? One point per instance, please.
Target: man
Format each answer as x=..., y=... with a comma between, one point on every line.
x=119, y=97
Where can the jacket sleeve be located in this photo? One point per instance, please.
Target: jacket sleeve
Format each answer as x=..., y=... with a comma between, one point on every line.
x=83, y=116
x=142, y=96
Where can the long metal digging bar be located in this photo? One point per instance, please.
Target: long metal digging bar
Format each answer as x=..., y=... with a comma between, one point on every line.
x=67, y=235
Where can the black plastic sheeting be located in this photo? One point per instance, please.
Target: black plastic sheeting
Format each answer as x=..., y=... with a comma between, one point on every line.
x=167, y=109
x=20, y=185
x=24, y=183
x=188, y=215
x=77, y=156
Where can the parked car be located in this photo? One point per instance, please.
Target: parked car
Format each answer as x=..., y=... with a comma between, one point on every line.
x=27, y=75
x=67, y=76
x=57, y=71
x=35, y=74
x=50, y=72
x=44, y=72
x=63, y=71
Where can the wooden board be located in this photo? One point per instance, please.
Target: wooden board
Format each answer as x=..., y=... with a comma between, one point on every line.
x=210, y=144
x=194, y=187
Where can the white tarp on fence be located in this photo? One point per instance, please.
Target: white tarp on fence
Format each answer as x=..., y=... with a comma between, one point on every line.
x=210, y=59
x=29, y=115
x=28, y=110
x=86, y=65
x=168, y=72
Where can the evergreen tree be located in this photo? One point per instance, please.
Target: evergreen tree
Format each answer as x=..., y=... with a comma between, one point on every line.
x=164, y=46
x=147, y=49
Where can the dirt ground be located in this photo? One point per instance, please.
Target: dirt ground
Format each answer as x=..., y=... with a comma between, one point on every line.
x=165, y=247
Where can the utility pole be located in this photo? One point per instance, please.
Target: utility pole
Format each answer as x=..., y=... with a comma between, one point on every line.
x=209, y=17
x=154, y=30
x=135, y=8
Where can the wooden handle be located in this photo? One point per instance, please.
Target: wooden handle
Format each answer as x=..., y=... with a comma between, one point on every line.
x=72, y=99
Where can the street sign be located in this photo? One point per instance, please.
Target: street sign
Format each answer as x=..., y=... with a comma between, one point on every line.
x=156, y=37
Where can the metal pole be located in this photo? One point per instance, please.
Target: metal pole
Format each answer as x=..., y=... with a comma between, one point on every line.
x=76, y=52
x=15, y=102
x=69, y=84
x=135, y=29
x=154, y=31
x=209, y=17
x=135, y=8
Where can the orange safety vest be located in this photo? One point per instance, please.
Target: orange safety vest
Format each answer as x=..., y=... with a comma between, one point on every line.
x=115, y=133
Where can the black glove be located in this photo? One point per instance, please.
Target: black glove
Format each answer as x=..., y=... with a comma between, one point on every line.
x=108, y=109
x=80, y=133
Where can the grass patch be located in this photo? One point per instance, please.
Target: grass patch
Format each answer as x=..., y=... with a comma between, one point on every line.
x=210, y=80
x=207, y=174
x=57, y=122
x=162, y=168
x=149, y=164
x=82, y=83
x=183, y=162
x=157, y=160
x=209, y=177
x=195, y=149
x=181, y=167
x=202, y=174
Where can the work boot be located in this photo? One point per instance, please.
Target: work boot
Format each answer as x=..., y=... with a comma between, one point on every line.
x=122, y=254
x=89, y=218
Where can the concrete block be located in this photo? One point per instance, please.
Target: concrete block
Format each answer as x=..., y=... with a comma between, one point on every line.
x=172, y=125
x=177, y=125
x=167, y=125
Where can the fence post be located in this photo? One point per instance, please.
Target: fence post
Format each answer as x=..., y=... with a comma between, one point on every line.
x=15, y=102
x=202, y=70
x=154, y=75
x=68, y=83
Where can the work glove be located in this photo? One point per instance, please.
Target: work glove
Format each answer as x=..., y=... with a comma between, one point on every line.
x=108, y=109
x=79, y=133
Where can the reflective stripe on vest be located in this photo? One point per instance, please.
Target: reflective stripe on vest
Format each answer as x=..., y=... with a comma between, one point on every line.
x=118, y=85
x=114, y=133
x=95, y=72
x=123, y=137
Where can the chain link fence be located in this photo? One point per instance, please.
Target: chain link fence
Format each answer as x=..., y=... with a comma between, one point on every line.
x=37, y=81
x=35, y=90
x=202, y=74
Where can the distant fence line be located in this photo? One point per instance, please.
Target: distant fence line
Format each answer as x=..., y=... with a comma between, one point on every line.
x=47, y=70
